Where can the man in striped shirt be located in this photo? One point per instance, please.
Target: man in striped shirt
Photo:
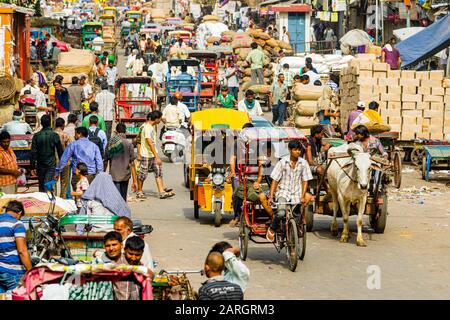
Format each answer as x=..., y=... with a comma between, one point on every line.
x=216, y=287
x=14, y=257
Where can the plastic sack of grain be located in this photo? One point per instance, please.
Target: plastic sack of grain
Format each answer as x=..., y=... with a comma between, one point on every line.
x=213, y=39
x=284, y=45
x=306, y=92
x=332, y=58
x=264, y=36
x=306, y=108
x=258, y=88
x=305, y=122
x=260, y=42
x=316, y=58
x=244, y=42
x=246, y=85
x=293, y=62
x=243, y=53
x=268, y=72
x=247, y=72
x=272, y=42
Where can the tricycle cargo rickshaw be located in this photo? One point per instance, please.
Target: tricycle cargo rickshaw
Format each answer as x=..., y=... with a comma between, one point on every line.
x=210, y=62
x=188, y=86
x=110, y=11
x=90, y=31
x=135, y=17
x=255, y=220
x=214, y=132
x=135, y=98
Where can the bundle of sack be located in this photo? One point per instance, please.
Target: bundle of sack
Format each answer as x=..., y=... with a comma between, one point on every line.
x=306, y=105
x=241, y=44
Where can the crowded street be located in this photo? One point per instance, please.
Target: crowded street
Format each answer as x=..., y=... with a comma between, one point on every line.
x=224, y=150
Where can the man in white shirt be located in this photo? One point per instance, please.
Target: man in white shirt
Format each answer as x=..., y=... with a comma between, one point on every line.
x=311, y=74
x=106, y=103
x=31, y=86
x=172, y=116
x=126, y=24
x=87, y=88
x=157, y=71
x=41, y=105
x=111, y=76
x=130, y=61
x=183, y=108
x=250, y=105
x=17, y=126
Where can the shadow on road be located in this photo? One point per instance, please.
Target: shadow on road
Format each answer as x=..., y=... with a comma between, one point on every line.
x=206, y=218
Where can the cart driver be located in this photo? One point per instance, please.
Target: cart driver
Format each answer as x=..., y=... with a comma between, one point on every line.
x=290, y=184
x=258, y=192
x=371, y=145
x=184, y=76
x=316, y=150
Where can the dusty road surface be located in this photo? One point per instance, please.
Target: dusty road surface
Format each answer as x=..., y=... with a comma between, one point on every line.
x=411, y=260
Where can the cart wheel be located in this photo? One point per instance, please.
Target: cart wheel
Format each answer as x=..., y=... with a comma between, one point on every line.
x=397, y=160
x=309, y=211
x=417, y=155
x=424, y=167
x=301, y=247
x=217, y=214
x=243, y=238
x=186, y=175
x=196, y=209
x=292, y=244
x=378, y=221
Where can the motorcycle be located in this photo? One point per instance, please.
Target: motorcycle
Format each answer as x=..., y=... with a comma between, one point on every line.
x=130, y=45
x=174, y=142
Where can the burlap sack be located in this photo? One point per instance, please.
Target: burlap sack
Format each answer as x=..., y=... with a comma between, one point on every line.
x=212, y=39
x=272, y=42
x=244, y=42
x=306, y=108
x=229, y=33
x=247, y=72
x=263, y=36
x=263, y=89
x=307, y=92
x=305, y=122
x=243, y=53
x=260, y=42
x=284, y=45
x=226, y=38
x=210, y=17
x=245, y=86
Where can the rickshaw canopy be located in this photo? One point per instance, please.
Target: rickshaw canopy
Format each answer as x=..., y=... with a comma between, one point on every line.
x=211, y=118
x=203, y=54
x=180, y=33
x=110, y=11
x=127, y=80
x=150, y=31
x=271, y=133
x=183, y=62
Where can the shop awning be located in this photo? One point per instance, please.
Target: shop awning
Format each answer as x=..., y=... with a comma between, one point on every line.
x=425, y=43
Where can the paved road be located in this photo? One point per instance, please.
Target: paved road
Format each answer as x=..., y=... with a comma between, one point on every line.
x=411, y=259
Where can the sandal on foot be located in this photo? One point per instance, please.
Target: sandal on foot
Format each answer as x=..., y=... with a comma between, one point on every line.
x=166, y=195
x=168, y=189
x=141, y=195
x=234, y=222
x=270, y=235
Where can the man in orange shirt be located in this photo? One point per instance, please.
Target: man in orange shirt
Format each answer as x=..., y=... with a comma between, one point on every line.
x=9, y=171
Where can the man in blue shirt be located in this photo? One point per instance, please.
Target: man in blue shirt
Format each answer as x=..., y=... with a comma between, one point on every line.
x=184, y=80
x=14, y=257
x=81, y=150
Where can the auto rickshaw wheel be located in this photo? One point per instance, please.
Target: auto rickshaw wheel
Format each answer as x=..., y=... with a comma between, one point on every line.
x=186, y=175
x=417, y=155
x=196, y=209
x=217, y=214
x=378, y=220
x=309, y=211
x=291, y=245
x=243, y=239
x=397, y=162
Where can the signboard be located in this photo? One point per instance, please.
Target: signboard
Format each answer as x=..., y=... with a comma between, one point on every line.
x=338, y=5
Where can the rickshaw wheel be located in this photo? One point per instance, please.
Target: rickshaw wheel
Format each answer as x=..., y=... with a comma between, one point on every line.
x=397, y=170
x=196, y=209
x=243, y=238
x=378, y=220
x=217, y=214
x=292, y=243
x=301, y=247
x=309, y=211
x=417, y=155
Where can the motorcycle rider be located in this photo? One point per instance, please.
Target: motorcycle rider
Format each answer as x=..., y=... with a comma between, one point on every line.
x=172, y=116
x=132, y=41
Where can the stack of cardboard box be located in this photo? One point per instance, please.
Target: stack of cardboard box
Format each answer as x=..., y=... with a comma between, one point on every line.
x=414, y=103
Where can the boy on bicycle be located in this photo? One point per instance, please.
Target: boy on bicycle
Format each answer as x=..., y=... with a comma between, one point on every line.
x=290, y=182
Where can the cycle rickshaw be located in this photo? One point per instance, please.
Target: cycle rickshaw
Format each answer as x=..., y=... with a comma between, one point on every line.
x=255, y=221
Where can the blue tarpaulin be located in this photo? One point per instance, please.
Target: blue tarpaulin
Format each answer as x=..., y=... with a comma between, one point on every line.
x=425, y=43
